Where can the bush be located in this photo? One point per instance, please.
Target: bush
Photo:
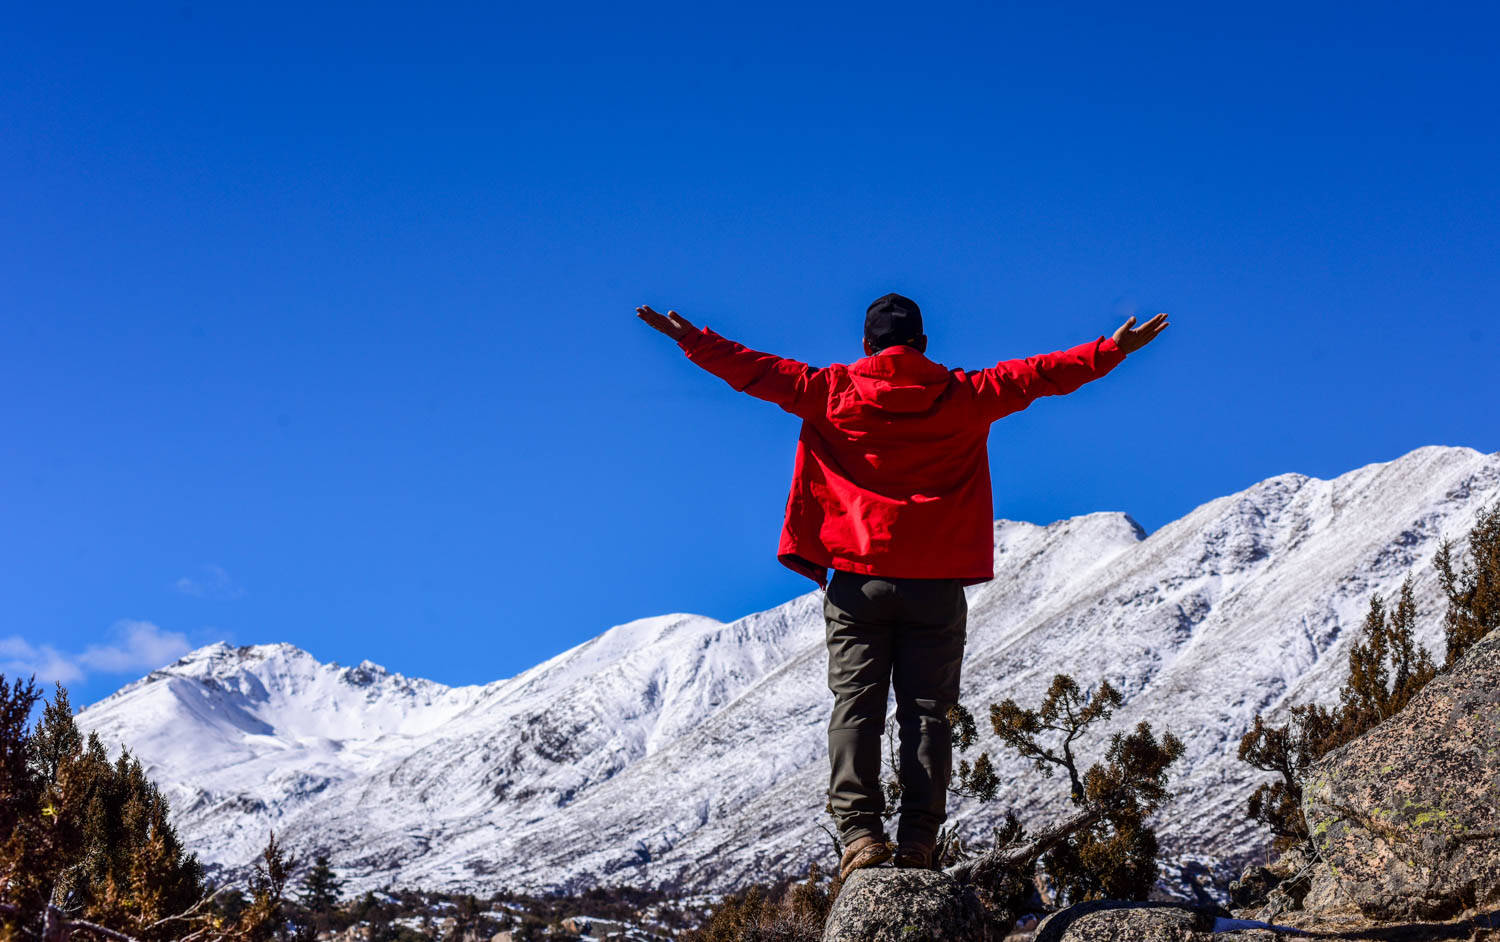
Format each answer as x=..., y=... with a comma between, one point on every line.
x=1105, y=849
x=785, y=913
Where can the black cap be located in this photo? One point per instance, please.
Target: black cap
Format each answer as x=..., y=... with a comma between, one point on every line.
x=891, y=320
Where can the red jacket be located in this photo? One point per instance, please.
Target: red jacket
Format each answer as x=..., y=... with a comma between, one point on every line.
x=892, y=475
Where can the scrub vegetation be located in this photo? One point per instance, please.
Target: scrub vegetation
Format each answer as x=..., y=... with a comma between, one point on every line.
x=1386, y=669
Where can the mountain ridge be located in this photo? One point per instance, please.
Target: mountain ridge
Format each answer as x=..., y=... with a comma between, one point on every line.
x=680, y=750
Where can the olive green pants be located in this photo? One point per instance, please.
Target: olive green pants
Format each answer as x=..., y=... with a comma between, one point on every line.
x=882, y=633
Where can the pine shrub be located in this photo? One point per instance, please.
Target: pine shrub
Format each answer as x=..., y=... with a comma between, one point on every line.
x=1106, y=849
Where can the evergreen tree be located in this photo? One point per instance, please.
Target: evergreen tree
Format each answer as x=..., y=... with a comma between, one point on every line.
x=56, y=738
x=1386, y=668
x=30, y=849
x=320, y=894
x=1474, y=591
x=320, y=887
x=265, y=917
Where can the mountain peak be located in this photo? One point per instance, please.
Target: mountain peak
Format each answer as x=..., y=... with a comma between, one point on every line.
x=221, y=655
x=364, y=673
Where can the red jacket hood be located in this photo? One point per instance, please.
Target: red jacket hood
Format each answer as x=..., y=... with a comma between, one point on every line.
x=899, y=379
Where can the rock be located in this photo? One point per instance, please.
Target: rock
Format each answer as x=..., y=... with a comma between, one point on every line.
x=1266, y=893
x=1350, y=923
x=1406, y=818
x=1117, y=921
x=1253, y=886
x=1290, y=863
x=1287, y=896
x=883, y=904
x=593, y=925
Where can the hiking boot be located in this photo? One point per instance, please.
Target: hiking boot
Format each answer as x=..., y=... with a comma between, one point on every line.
x=914, y=856
x=863, y=852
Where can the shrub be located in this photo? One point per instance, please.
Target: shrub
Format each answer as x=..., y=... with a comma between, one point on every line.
x=784, y=913
x=1105, y=849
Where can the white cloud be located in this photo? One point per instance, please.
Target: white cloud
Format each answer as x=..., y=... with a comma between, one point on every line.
x=140, y=646
x=216, y=583
x=19, y=658
x=136, y=646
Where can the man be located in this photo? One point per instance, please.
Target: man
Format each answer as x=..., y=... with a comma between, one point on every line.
x=891, y=490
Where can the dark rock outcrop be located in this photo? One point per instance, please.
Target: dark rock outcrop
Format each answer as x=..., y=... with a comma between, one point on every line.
x=1253, y=886
x=1406, y=818
x=883, y=904
x=1265, y=893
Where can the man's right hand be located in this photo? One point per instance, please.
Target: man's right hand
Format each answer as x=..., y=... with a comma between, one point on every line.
x=674, y=325
x=1130, y=340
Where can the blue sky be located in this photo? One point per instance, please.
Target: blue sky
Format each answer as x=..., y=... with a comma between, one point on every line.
x=318, y=324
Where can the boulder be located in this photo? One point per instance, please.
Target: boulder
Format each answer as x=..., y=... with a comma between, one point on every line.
x=1406, y=818
x=884, y=904
x=1117, y=921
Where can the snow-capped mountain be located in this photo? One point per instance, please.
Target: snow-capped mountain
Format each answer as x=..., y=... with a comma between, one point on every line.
x=680, y=750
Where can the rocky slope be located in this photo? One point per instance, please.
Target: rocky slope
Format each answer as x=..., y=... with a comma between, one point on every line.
x=1406, y=818
x=678, y=749
x=1405, y=822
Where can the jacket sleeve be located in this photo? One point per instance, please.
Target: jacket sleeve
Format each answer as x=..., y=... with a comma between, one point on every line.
x=1011, y=385
x=796, y=387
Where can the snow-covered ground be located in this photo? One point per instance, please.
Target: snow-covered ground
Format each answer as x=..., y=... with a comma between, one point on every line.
x=681, y=750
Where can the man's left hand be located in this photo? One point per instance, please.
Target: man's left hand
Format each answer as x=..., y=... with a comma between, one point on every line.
x=674, y=325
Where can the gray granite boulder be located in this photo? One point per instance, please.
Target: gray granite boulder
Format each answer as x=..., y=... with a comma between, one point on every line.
x=1406, y=818
x=884, y=904
x=1116, y=921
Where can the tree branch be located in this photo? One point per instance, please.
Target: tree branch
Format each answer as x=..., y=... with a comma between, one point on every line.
x=188, y=913
x=1020, y=857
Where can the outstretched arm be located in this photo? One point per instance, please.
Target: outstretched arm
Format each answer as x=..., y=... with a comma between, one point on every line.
x=1012, y=385
x=796, y=387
